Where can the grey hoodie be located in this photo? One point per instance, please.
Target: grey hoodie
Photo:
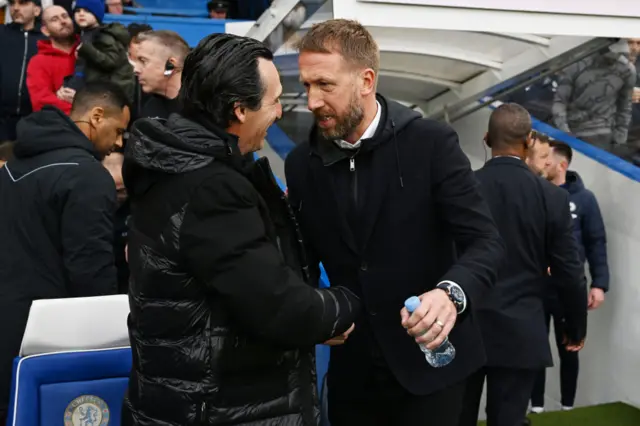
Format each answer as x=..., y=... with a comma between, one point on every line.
x=593, y=97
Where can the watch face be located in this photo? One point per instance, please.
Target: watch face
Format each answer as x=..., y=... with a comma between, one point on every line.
x=457, y=294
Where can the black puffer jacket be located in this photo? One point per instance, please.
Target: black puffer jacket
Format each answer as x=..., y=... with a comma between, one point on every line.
x=222, y=324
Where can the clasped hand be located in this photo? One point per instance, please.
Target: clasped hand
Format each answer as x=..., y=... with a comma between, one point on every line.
x=434, y=319
x=66, y=94
x=341, y=338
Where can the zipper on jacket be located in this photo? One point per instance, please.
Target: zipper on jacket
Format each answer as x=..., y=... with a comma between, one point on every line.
x=22, y=72
x=202, y=418
x=354, y=180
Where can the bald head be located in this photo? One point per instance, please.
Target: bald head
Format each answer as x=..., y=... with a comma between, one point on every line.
x=53, y=11
x=509, y=125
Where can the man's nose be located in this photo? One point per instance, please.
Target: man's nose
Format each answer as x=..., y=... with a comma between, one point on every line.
x=314, y=103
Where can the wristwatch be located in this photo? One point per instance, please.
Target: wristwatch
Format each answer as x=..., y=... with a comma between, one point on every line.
x=455, y=293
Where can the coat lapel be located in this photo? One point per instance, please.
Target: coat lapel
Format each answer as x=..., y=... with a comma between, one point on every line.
x=323, y=183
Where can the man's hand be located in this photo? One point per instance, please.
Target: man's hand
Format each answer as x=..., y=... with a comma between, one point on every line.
x=572, y=346
x=432, y=322
x=340, y=339
x=635, y=97
x=596, y=298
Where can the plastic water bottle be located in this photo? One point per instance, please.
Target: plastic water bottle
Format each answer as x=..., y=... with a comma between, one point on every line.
x=443, y=354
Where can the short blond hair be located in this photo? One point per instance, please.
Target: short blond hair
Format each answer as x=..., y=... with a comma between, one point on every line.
x=348, y=38
x=171, y=40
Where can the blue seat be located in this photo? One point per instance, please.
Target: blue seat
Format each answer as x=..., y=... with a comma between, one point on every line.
x=191, y=29
x=74, y=363
x=63, y=388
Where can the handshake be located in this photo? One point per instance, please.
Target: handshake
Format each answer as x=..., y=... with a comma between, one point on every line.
x=429, y=324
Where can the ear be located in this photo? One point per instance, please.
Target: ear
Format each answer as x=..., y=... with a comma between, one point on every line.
x=530, y=141
x=368, y=81
x=240, y=112
x=97, y=115
x=45, y=31
x=37, y=11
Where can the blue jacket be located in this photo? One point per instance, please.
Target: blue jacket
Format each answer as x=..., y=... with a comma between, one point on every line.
x=588, y=229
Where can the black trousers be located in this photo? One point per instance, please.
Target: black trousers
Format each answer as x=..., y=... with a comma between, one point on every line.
x=386, y=403
x=569, y=368
x=508, y=392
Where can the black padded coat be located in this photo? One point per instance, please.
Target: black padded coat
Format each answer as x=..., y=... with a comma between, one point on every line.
x=223, y=323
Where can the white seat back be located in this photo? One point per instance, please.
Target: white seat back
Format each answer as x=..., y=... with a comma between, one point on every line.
x=82, y=323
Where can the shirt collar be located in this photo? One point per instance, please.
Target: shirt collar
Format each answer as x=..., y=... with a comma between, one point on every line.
x=368, y=134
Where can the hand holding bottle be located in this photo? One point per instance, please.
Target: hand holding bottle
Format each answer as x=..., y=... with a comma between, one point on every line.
x=439, y=356
x=432, y=321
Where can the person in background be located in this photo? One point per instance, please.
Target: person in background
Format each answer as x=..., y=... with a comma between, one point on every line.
x=218, y=9
x=6, y=152
x=534, y=219
x=5, y=9
x=377, y=190
x=139, y=97
x=539, y=152
x=19, y=45
x=103, y=52
x=57, y=211
x=158, y=66
x=114, y=7
x=634, y=129
x=113, y=163
x=219, y=286
x=589, y=232
x=54, y=61
x=87, y=15
x=593, y=97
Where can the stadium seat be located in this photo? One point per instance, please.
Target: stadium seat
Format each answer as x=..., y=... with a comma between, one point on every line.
x=74, y=363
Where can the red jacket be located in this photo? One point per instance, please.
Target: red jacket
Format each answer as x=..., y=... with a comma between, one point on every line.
x=46, y=73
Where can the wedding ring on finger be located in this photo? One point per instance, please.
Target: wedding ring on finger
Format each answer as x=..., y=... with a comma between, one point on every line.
x=440, y=323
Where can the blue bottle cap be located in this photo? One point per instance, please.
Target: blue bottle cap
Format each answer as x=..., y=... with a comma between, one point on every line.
x=412, y=303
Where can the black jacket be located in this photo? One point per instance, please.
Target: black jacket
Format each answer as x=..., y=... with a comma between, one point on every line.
x=385, y=226
x=222, y=324
x=18, y=47
x=534, y=219
x=56, y=229
x=589, y=230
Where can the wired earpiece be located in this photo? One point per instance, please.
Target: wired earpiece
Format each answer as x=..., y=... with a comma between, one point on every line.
x=168, y=68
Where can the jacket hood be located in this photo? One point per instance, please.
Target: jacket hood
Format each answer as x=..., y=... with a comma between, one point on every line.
x=48, y=130
x=393, y=119
x=574, y=182
x=174, y=146
x=117, y=31
x=46, y=48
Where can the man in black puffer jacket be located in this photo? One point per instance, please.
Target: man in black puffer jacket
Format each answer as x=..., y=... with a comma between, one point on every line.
x=224, y=316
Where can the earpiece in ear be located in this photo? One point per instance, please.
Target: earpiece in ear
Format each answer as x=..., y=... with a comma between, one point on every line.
x=168, y=68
